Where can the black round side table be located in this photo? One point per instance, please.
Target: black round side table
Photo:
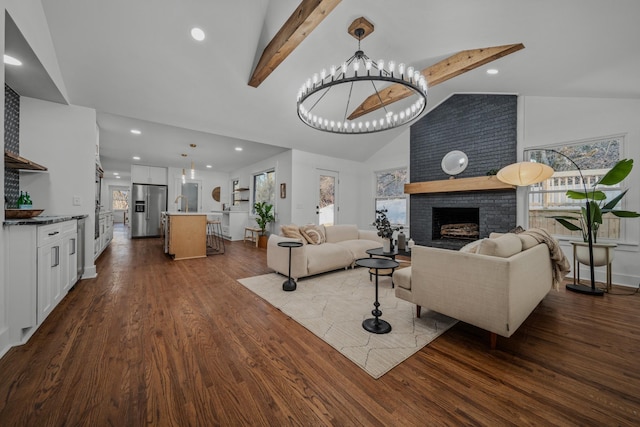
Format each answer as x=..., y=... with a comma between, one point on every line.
x=376, y=325
x=289, y=284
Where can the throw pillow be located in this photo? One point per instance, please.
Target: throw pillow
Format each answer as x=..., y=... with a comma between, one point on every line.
x=313, y=233
x=472, y=247
x=503, y=246
x=517, y=230
x=293, y=231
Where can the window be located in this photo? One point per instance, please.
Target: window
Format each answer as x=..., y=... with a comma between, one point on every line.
x=236, y=192
x=594, y=157
x=120, y=200
x=264, y=187
x=390, y=194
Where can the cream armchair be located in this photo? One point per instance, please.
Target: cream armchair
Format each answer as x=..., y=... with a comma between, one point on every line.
x=496, y=293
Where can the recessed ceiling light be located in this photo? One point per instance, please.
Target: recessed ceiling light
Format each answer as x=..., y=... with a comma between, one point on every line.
x=238, y=148
x=135, y=131
x=117, y=177
x=197, y=34
x=136, y=158
x=209, y=166
x=11, y=60
x=116, y=173
x=492, y=71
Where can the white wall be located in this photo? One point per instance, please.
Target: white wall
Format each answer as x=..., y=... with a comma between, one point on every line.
x=207, y=181
x=305, y=191
x=30, y=19
x=62, y=138
x=394, y=155
x=549, y=121
x=281, y=163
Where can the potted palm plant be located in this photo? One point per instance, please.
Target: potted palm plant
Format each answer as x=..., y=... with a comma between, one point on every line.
x=264, y=216
x=598, y=206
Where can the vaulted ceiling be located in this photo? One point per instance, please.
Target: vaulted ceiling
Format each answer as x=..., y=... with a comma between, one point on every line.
x=137, y=65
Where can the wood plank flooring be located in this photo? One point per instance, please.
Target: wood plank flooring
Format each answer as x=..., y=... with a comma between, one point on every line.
x=157, y=342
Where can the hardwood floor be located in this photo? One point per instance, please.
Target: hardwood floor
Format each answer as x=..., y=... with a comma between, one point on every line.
x=152, y=341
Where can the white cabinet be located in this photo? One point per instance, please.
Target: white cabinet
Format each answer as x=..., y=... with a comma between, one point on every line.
x=233, y=224
x=49, y=278
x=105, y=229
x=69, y=256
x=40, y=265
x=148, y=175
x=56, y=264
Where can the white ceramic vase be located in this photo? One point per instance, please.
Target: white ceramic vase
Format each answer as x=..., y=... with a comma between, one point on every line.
x=386, y=245
x=602, y=253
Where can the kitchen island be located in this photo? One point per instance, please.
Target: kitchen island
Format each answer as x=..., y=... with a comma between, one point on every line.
x=185, y=234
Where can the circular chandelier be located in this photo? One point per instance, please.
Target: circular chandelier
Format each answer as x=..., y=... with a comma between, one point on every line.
x=321, y=98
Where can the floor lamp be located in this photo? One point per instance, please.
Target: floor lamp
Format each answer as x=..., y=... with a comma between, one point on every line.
x=528, y=173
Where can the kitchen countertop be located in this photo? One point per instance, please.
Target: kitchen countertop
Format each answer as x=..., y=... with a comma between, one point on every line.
x=42, y=219
x=184, y=213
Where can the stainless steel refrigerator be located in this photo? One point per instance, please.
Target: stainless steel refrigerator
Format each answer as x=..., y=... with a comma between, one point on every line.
x=148, y=203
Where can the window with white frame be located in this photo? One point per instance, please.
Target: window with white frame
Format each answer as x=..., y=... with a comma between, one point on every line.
x=548, y=198
x=264, y=187
x=390, y=194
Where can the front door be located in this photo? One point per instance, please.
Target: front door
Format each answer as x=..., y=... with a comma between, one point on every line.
x=327, y=206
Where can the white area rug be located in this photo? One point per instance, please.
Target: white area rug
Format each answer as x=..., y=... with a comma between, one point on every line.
x=333, y=306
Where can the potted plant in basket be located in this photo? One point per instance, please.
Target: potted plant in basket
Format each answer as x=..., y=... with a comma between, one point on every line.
x=598, y=206
x=264, y=216
x=385, y=230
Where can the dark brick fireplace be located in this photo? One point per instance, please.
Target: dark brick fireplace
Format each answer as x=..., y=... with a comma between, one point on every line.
x=485, y=128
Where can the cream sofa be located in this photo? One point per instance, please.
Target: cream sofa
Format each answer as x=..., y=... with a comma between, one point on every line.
x=495, y=292
x=344, y=244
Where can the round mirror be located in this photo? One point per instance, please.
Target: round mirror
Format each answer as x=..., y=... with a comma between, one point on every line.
x=454, y=162
x=216, y=194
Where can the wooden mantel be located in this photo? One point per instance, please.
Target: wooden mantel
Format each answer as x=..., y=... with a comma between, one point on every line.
x=480, y=183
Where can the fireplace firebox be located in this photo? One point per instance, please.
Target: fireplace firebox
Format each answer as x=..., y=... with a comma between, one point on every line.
x=455, y=223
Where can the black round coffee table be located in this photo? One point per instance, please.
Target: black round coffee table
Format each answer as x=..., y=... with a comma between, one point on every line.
x=375, y=324
x=289, y=284
x=379, y=252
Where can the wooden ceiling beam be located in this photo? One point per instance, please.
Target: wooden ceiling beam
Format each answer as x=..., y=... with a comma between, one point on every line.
x=442, y=71
x=302, y=21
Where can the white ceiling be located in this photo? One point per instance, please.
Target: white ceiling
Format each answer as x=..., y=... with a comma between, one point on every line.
x=136, y=64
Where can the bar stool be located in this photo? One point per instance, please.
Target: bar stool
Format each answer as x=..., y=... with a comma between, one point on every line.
x=215, y=241
x=251, y=234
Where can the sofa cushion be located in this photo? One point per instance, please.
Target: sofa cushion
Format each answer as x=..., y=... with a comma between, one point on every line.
x=527, y=240
x=339, y=233
x=503, y=246
x=327, y=257
x=314, y=234
x=293, y=231
x=402, y=278
x=359, y=248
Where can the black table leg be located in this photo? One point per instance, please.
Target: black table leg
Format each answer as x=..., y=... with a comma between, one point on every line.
x=289, y=284
x=376, y=325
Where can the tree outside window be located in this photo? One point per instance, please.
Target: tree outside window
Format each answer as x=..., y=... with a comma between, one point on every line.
x=595, y=157
x=390, y=194
x=120, y=200
x=264, y=187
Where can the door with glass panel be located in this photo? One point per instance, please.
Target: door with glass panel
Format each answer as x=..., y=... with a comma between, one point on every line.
x=327, y=206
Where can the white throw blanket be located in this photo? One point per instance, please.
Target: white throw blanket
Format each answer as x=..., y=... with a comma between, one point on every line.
x=560, y=265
